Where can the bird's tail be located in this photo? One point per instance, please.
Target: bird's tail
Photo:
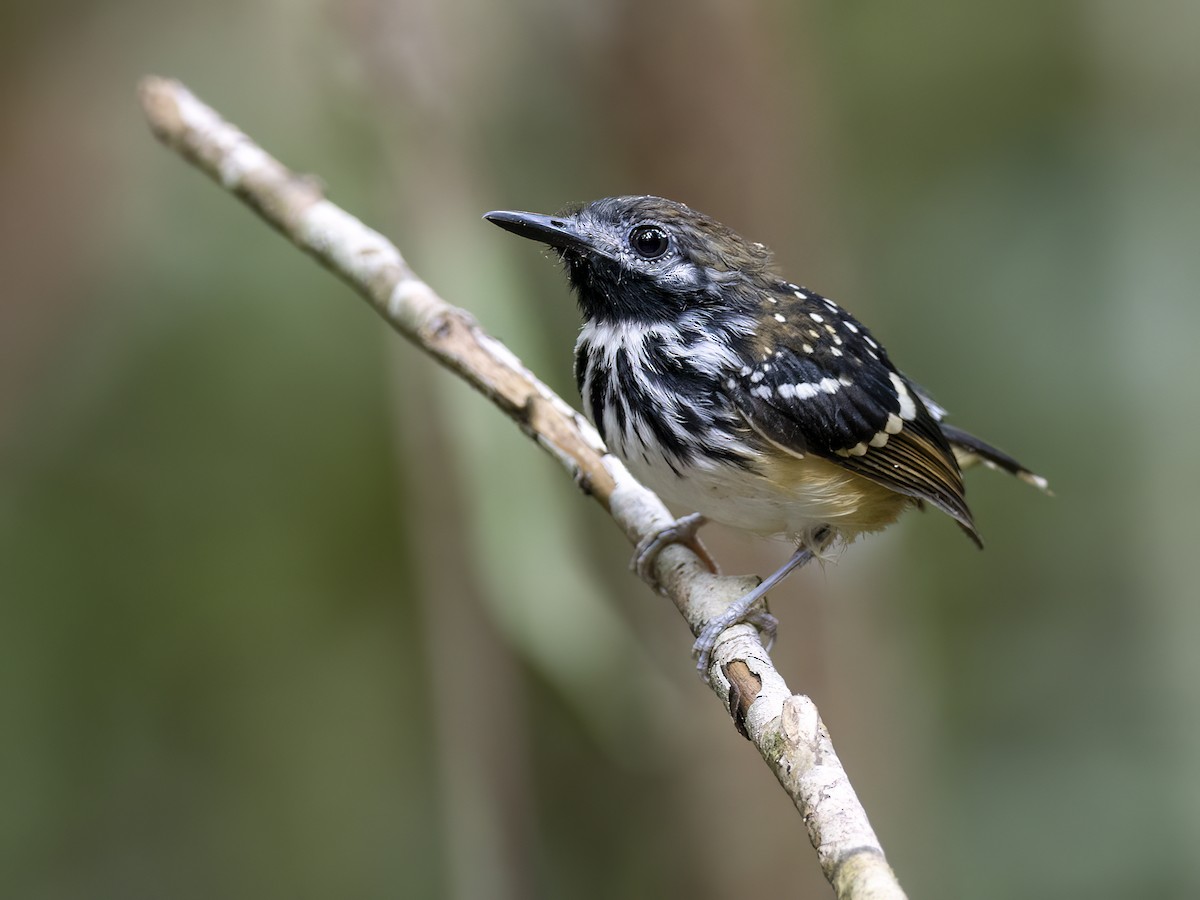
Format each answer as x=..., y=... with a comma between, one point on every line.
x=969, y=450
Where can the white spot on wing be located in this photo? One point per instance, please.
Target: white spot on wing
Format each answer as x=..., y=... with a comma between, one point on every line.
x=908, y=409
x=806, y=390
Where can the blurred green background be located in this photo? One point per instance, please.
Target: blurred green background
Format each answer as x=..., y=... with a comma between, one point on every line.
x=286, y=611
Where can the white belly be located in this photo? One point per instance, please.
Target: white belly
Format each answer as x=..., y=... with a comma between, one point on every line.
x=800, y=495
x=725, y=494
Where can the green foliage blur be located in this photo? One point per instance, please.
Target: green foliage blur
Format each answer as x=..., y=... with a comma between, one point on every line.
x=286, y=611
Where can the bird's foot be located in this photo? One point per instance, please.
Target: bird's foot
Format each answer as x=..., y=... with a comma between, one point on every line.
x=741, y=610
x=737, y=613
x=681, y=531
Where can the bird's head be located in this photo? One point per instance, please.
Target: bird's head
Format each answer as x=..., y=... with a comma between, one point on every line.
x=645, y=259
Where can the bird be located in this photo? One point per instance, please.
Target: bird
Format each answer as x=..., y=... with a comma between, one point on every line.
x=746, y=398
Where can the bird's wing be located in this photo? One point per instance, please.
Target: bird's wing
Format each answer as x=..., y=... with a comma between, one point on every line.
x=853, y=408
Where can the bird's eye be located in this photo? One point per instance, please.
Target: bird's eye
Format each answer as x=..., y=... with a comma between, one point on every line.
x=649, y=241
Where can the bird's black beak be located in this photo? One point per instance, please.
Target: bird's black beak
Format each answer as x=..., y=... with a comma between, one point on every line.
x=557, y=231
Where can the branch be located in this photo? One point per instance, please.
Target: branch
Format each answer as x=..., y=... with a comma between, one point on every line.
x=785, y=727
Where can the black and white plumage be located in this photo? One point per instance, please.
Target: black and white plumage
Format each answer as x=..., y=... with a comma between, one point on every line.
x=736, y=393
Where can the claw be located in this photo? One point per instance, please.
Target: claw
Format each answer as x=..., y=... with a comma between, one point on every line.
x=741, y=611
x=767, y=625
x=681, y=531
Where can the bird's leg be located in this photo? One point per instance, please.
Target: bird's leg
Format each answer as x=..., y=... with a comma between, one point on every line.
x=739, y=611
x=681, y=531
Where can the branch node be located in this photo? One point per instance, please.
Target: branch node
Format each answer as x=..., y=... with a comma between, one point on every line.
x=583, y=481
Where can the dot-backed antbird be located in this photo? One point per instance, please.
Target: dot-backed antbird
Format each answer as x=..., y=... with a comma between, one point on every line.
x=730, y=391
